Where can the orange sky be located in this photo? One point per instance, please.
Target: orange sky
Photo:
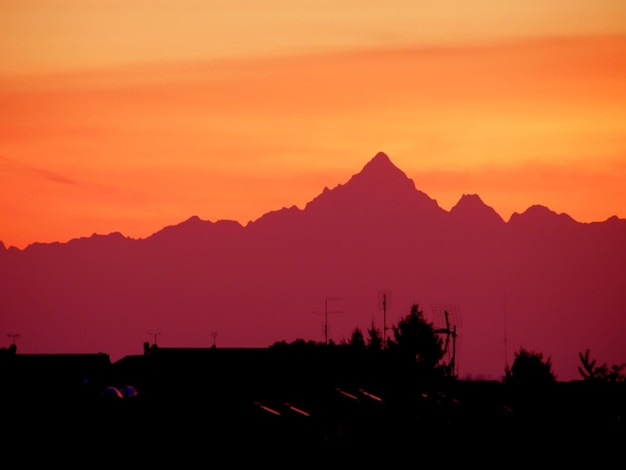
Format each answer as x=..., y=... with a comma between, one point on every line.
x=131, y=115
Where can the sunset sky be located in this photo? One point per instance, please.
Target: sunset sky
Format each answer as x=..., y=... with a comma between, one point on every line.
x=127, y=116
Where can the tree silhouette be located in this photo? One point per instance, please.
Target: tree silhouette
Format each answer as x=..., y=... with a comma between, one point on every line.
x=530, y=368
x=415, y=337
x=357, y=341
x=591, y=372
x=374, y=339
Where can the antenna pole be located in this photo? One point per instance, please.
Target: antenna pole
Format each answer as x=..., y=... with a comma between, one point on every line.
x=450, y=330
x=13, y=336
x=154, y=336
x=506, y=360
x=384, y=298
x=326, y=317
x=326, y=322
x=454, y=351
x=385, y=321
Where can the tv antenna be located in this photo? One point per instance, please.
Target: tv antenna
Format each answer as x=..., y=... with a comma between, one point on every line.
x=450, y=333
x=154, y=335
x=384, y=304
x=13, y=336
x=326, y=312
x=214, y=335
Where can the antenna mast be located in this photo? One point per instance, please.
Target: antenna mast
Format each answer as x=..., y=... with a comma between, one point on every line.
x=384, y=303
x=326, y=312
x=450, y=332
x=506, y=359
x=154, y=336
x=13, y=336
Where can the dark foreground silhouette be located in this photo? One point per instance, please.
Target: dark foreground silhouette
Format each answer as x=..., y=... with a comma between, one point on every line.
x=314, y=406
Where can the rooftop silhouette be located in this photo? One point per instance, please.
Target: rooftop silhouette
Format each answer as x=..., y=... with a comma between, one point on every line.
x=296, y=399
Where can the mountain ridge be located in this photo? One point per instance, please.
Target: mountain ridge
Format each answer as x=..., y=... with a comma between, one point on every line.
x=370, y=174
x=267, y=281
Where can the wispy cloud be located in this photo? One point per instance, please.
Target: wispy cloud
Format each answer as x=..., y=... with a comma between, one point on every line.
x=55, y=177
x=42, y=172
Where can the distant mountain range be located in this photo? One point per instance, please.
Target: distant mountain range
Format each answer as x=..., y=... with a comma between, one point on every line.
x=541, y=280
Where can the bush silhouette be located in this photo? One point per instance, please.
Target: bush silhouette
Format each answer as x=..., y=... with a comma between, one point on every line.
x=530, y=368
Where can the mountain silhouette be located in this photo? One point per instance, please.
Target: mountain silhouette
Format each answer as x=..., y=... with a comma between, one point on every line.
x=540, y=280
x=471, y=209
x=379, y=188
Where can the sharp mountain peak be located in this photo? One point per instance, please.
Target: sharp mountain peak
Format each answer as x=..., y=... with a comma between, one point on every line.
x=381, y=168
x=380, y=159
x=380, y=185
